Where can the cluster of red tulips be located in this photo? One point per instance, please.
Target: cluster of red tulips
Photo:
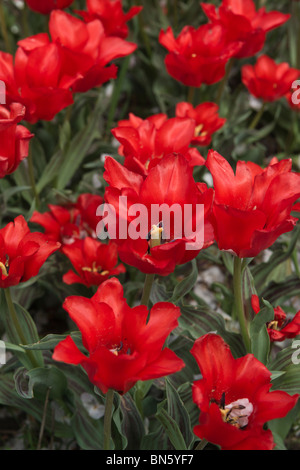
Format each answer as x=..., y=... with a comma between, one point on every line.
x=138, y=334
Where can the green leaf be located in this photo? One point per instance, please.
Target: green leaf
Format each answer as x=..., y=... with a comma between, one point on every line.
x=171, y=427
x=261, y=271
x=177, y=411
x=183, y=287
x=34, y=407
x=259, y=337
x=196, y=321
x=28, y=329
x=132, y=426
x=287, y=361
x=51, y=340
x=45, y=378
x=64, y=164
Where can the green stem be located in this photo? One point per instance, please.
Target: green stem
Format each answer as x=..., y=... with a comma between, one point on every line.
x=223, y=82
x=239, y=303
x=107, y=419
x=116, y=94
x=147, y=289
x=17, y=326
x=32, y=179
x=4, y=31
x=191, y=95
x=257, y=116
x=202, y=444
x=39, y=445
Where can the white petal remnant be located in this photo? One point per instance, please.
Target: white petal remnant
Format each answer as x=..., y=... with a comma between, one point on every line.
x=92, y=406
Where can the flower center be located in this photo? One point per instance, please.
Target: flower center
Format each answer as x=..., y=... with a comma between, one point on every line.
x=119, y=348
x=273, y=325
x=198, y=131
x=4, y=267
x=236, y=413
x=95, y=269
x=155, y=235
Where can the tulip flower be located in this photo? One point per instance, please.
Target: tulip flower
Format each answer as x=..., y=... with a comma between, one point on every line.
x=75, y=221
x=22, y=253
x=267, y=80
x=206, y=118
x=145, y=141
x=122, y=344
x=234, y=397
x=46, y=6
x=281, y=327
x=87, y=50
x=14, y=138
x=110, y=13
x=243, y=23
x=47, y=71
x=34, y=78
x=169, y=229
x=199, y=55
x=93, y=261
x=252, y=207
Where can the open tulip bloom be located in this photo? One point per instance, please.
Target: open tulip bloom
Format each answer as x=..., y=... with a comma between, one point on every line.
x=234, y=397
x=166, y=220
x=122, y=345
x=22, y=252
x=252, y=207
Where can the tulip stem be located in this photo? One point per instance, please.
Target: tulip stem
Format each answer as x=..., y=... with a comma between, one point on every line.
x=223, y=82
x=4, y=31
x=32, y=179
x=17, y=326
x=107, y=419
x=257, y=116
x=147, y=289
x=202, y=444
x=191, y=95
x=116, y=95
x=239, y=303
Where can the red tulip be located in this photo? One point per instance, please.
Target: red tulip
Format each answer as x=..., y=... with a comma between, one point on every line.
x=252, y=207
x=123, y=345
x=66, y=224
x=244, y=24
x=22, y=253
x=35, y=79
x=206, y=118
x=281, y=327
x=93, y=261
x=86, y=50
x=234, y=397
x=198, y=56
x=267, y=80
x=46, y=6
x=111, y=14
x=47, y=72
x=145, y=141
x=14, y=138
x=161, y=240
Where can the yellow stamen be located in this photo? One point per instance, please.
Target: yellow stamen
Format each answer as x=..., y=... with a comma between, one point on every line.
x=156, y=234
x=3, y=269
x=198, y=131
x=273, y=325
x=94, y=269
